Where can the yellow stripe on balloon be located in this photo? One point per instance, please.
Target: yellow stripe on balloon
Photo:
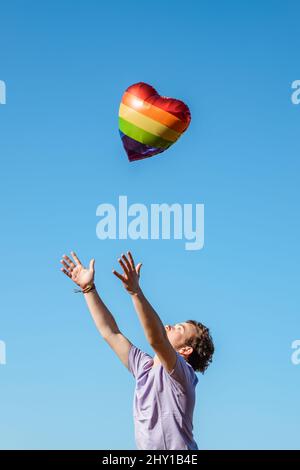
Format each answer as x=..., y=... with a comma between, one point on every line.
x=153, y=112
x=147, y=124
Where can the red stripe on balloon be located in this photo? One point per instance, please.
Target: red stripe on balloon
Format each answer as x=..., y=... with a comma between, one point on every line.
x=148, y=93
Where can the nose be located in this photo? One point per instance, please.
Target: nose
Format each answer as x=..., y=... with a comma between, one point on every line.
x=168, y=327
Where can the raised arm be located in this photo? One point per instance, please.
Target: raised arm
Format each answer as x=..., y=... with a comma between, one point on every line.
x=153, y=327
x=102, y=317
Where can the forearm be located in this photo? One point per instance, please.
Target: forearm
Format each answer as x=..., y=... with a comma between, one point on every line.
x=150, y=321
x=102, y=317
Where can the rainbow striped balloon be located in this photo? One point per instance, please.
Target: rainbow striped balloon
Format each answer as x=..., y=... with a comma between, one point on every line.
x=149, y=123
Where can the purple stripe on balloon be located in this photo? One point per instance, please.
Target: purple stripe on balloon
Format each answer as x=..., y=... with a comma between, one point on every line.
x=137, y=151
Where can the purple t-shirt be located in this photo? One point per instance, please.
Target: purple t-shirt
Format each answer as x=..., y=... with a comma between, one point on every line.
x=163, y=403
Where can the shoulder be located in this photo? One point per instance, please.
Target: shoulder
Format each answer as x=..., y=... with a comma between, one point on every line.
x=138, y=361
x=183, y=372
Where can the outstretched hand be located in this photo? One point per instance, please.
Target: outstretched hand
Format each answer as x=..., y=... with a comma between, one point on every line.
x=131, y=274
x=82, y=276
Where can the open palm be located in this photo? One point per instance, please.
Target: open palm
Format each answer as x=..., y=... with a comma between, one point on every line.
x=77, y=272
x=131, y=273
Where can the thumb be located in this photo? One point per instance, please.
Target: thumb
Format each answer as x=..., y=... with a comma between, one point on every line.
x=138, y=268
x=92, y=265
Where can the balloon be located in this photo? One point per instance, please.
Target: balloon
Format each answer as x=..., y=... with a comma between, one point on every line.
x=149, y=123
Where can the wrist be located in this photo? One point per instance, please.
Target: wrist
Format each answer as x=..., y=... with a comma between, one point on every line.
x=137, y=293
x=89, y=288
x=86, y=289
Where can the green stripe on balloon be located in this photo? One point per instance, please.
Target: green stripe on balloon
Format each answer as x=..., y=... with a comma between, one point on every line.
x=142, y=136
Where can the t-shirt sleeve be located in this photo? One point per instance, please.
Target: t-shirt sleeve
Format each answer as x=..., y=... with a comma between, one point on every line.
x=183, y=373
x=138, y=361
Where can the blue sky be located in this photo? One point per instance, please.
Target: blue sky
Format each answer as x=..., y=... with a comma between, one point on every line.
x=66, y=65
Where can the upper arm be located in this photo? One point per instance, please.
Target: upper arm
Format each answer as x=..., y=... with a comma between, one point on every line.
x=166, y=354
x=120, y=345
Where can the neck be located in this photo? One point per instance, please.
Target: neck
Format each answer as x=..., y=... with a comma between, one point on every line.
x=156, y=361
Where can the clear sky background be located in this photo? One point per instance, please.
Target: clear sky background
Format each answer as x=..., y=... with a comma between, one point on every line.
x=66, y=65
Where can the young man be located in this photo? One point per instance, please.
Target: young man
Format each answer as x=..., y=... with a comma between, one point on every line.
x=165, y=384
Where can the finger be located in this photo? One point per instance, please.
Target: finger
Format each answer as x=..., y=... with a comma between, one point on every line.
x=131, y=260
x=65, y=257
x=127, y=262
x=68, y=268
x=119, y=276
x=92, y=265
x=66, y=272
x=125, y=269
x=75, y=258
x=138, y=269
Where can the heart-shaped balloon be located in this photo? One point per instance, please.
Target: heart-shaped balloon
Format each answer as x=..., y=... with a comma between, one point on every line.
x=149, y=123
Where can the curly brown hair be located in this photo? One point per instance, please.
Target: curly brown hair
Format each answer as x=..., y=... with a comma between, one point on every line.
x=203, y=347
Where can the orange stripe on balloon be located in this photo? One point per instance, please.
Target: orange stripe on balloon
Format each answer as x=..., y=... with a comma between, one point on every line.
x=153, y=112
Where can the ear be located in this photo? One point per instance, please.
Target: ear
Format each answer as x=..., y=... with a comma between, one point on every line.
x=185, y=351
